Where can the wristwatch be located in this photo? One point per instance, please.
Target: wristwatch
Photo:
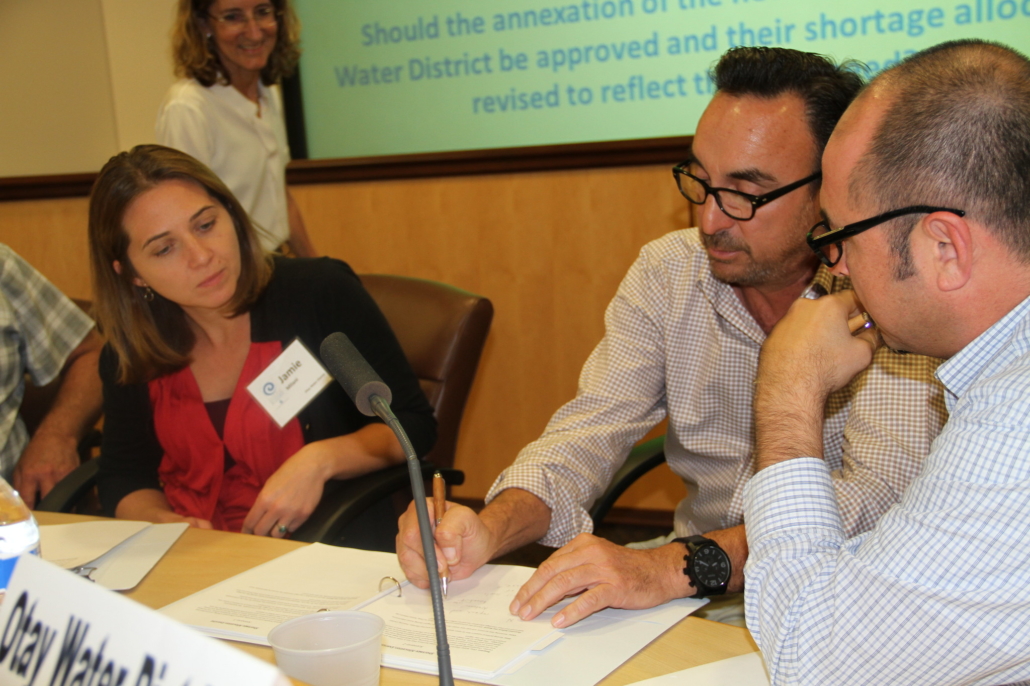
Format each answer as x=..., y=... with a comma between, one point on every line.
x=708, y=565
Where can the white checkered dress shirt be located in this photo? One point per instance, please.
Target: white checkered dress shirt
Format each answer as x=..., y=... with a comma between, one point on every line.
x=680, y=343
x=39, y=328
x=939, y=591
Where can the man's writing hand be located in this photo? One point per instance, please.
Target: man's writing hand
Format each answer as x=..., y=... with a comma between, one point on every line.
x=461, y=539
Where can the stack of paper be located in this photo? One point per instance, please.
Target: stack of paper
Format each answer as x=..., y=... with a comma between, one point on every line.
x=487, y=644
x=316, y=577
x=115, y=554
x=484, y=637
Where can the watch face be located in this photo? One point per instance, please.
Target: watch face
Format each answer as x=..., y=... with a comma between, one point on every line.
x=711, y=566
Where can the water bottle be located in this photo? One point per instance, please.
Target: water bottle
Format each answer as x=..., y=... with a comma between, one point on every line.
x=18, y=532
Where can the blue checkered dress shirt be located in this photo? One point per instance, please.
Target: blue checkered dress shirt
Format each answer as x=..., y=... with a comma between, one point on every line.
x=939, y=591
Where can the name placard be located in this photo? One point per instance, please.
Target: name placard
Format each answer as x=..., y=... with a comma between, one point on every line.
x=59, y=629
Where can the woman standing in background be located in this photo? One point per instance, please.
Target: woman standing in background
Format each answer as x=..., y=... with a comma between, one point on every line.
x=225, y=112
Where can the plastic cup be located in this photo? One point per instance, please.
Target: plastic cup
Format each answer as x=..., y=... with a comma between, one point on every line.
x=330, y=648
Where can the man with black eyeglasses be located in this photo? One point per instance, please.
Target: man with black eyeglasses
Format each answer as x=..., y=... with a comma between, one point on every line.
x=925, y=194
x=682, y=340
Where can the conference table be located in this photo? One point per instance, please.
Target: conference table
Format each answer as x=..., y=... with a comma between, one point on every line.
x=202, y=558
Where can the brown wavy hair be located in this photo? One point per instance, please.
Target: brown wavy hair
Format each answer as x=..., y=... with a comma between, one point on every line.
x=154, y=338
x=195, y=57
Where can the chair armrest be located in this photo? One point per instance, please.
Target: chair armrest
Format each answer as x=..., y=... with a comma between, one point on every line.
x=70, y=490
x=642, y=459
x=344, y=500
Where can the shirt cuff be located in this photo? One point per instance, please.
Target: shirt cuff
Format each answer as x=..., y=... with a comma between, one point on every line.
x=796, y=493
x=568, y=520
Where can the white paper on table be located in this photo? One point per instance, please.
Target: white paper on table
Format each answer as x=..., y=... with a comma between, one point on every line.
x=743, y=670
x=125, y=565
x=482, y=634
x=586, y=652
x=249, y=605
x=73, y=545
x=595, y=647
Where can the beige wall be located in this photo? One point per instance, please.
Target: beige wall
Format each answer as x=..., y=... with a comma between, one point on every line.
x=139, y=39
x=82, y=79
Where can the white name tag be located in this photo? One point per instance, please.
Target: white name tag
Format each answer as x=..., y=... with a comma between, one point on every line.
x=293, y=380
x=57, y=628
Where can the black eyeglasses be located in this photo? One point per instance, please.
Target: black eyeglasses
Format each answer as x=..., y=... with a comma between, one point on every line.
x=734, y=204
x=828, y=243
x=236, y=19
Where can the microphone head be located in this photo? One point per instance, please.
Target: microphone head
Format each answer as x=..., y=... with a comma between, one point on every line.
x=353, y=372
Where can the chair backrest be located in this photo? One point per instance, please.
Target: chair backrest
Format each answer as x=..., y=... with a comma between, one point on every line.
x=442, y=330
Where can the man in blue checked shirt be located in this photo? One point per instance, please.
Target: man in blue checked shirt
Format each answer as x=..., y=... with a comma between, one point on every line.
x=925, y=194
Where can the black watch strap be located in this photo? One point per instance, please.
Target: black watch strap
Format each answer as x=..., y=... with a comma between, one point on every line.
x=693, y=545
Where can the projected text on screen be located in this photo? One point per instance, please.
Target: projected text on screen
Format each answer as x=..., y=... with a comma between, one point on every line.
x=395, y=76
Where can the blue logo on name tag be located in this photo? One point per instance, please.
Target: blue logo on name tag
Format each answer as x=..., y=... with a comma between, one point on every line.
x=269, y=388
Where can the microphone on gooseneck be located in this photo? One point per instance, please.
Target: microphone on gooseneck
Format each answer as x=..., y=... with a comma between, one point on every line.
x=372, y=397
x=356, y=376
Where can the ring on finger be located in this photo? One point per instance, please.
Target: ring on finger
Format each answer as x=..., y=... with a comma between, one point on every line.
x=283, y=529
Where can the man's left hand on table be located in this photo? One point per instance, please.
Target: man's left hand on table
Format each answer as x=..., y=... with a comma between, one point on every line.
x=605, y=575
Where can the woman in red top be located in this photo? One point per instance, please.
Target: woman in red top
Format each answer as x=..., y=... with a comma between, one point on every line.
x=194, y=310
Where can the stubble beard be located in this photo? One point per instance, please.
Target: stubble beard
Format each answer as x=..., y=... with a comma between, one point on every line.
x=753, y=273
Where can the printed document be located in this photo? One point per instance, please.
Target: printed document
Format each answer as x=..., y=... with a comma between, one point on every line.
x=487, y=643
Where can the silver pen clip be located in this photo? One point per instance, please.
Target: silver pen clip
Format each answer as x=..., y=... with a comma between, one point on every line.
x=813, y=292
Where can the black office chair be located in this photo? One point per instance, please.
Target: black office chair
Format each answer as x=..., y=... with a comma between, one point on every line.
x=442, y=330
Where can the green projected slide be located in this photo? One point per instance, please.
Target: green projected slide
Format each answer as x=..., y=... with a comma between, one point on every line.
x=383, y=77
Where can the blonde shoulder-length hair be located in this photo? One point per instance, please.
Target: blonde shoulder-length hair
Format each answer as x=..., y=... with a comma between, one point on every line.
x=195, y=57
x=152, y=337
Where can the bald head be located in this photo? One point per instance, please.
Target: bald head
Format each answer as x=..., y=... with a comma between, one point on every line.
x=949, y=126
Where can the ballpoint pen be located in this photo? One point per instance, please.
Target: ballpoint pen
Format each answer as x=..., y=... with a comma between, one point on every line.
x=860, y=323
x=440, y=506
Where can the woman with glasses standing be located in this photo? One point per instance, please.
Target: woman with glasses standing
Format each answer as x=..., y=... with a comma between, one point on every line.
x=226, y=112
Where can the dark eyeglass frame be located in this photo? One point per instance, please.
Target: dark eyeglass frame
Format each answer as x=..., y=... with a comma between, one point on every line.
x=755, y=200
x=837, y=236
x=272, y=18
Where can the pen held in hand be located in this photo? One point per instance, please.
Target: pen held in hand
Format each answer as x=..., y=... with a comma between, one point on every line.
x=439, y=507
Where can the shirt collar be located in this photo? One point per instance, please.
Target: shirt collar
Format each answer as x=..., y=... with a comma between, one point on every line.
x=239, y=101
x=725, y=301
x=960, y=371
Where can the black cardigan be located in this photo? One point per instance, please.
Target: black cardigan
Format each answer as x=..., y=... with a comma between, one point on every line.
x=306, y=298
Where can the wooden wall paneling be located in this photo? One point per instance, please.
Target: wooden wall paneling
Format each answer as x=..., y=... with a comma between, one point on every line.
x=51, y=235
x=548, y=248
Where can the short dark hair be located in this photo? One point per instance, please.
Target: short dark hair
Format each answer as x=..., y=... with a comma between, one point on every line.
x=153, y=338
x=195, y=57
x=825, y=87
x=955, y=133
